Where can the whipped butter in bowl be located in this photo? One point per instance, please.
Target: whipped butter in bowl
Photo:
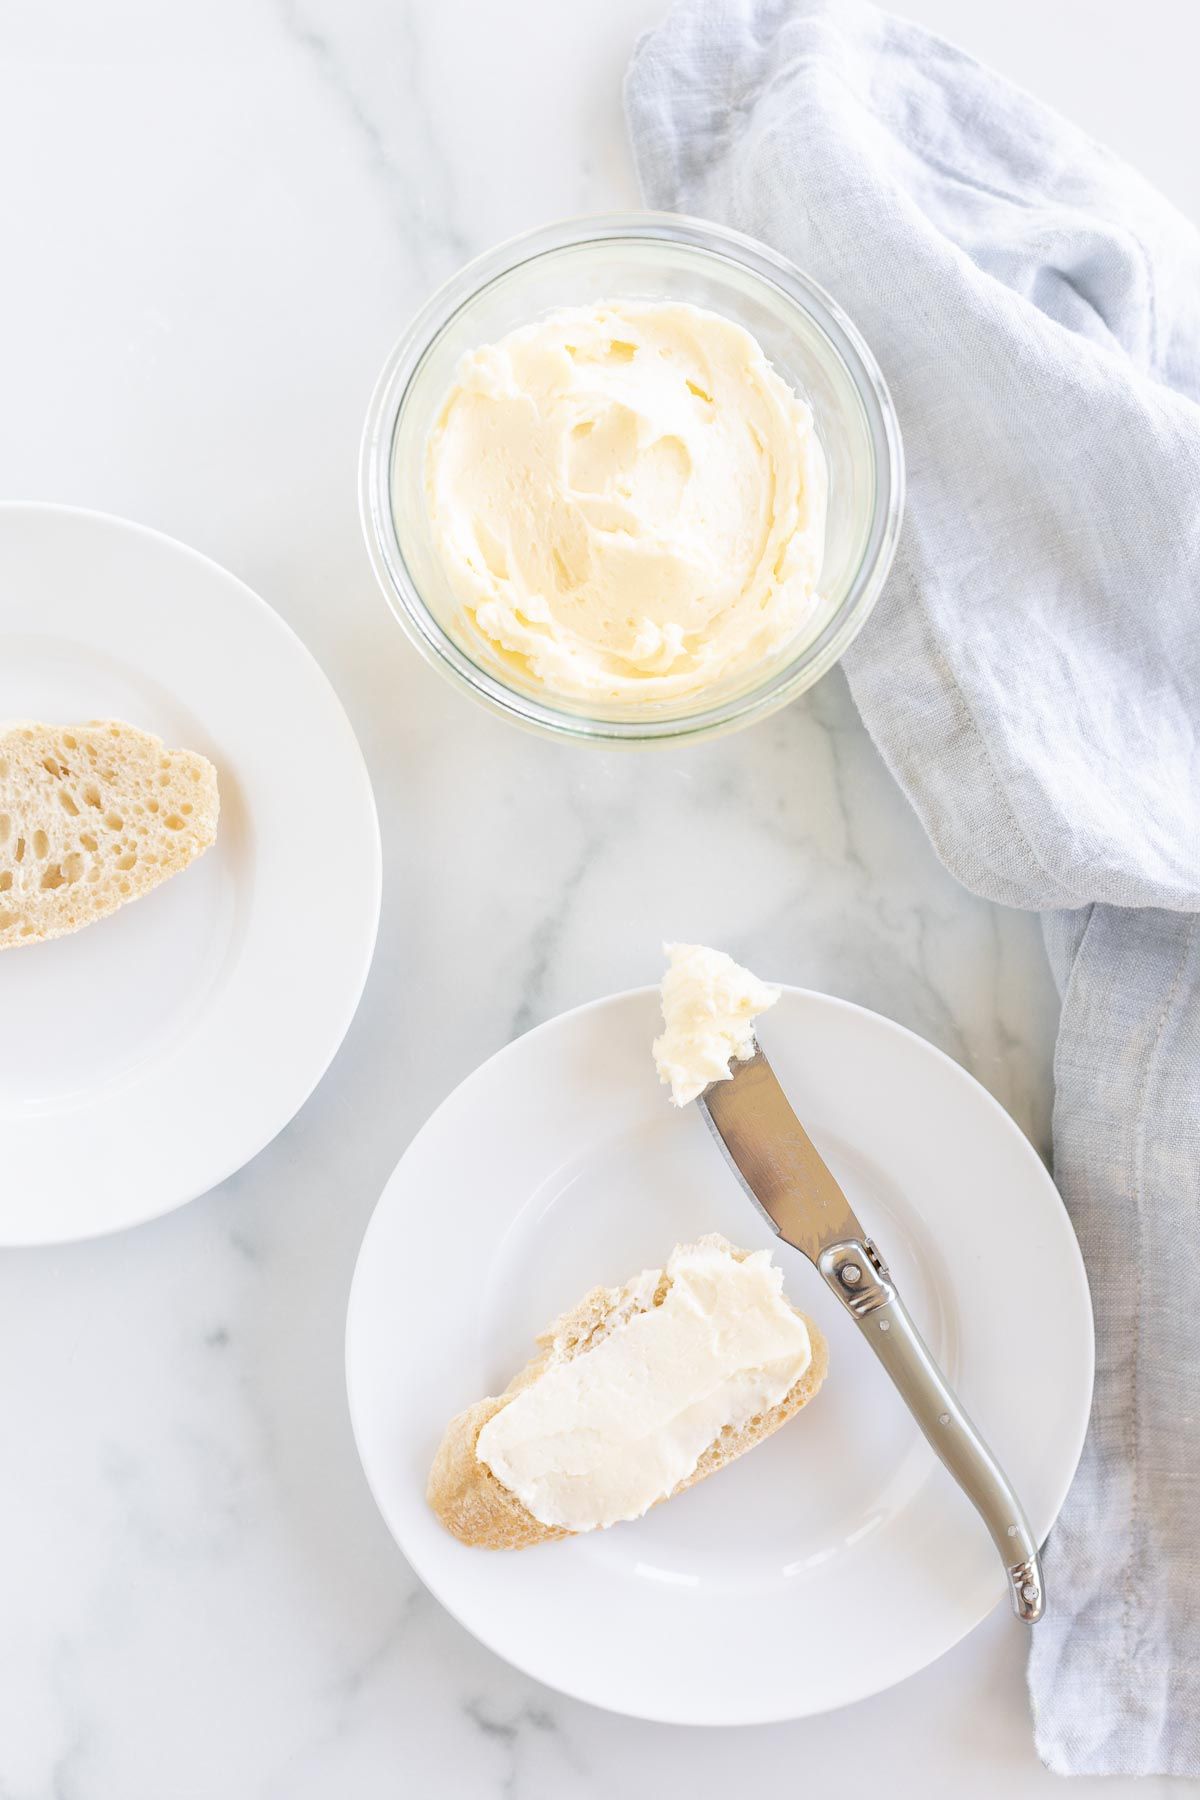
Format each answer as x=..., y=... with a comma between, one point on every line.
x=629, y=499
x=631, y=480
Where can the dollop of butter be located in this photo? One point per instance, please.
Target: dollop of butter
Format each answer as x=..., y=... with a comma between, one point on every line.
x=603, y=1436
x=709, y=1005
x=628, y=500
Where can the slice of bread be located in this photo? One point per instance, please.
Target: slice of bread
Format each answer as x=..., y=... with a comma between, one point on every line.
x=92, y=816
x=479, y=1510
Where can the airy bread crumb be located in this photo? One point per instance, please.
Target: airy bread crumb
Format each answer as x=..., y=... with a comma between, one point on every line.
x=92, y=816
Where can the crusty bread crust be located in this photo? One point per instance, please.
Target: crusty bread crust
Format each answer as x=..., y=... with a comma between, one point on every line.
x=473, y=1504
x=92, y=816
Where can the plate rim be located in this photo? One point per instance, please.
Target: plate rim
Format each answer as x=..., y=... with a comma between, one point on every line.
x=222, y=1169
x=746, y=1716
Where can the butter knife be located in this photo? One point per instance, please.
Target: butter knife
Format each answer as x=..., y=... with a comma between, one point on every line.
x=778, y=1165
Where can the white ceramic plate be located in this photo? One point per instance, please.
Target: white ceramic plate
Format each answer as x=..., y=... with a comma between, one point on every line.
x=146, y=1058
x=838, y=1557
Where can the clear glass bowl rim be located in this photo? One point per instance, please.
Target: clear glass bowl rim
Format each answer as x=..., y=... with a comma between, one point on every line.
x=391, y=391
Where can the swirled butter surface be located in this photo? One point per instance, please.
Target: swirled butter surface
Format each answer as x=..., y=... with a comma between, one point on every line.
x=628, y=501
x=709, y=1005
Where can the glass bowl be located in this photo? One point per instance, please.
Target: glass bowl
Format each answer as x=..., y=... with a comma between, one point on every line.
x=644, y=256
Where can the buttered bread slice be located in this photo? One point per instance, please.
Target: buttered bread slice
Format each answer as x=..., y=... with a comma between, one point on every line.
x=636, y=1394
x=92, y=816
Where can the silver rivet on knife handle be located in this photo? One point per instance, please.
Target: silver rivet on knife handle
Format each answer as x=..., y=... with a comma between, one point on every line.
x=1027, y=1592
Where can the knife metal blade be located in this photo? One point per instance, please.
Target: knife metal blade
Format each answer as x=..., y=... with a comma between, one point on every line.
x=776, y=1161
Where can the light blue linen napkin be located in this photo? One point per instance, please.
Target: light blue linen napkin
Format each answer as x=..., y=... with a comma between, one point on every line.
x=1032, y=675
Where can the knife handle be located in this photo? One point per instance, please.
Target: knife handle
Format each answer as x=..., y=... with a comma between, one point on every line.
x=859, y=1277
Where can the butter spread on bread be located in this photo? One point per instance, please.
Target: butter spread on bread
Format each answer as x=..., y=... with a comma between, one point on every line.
x=635, y=1395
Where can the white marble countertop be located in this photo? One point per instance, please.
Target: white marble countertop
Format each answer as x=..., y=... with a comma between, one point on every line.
x=216, y=219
